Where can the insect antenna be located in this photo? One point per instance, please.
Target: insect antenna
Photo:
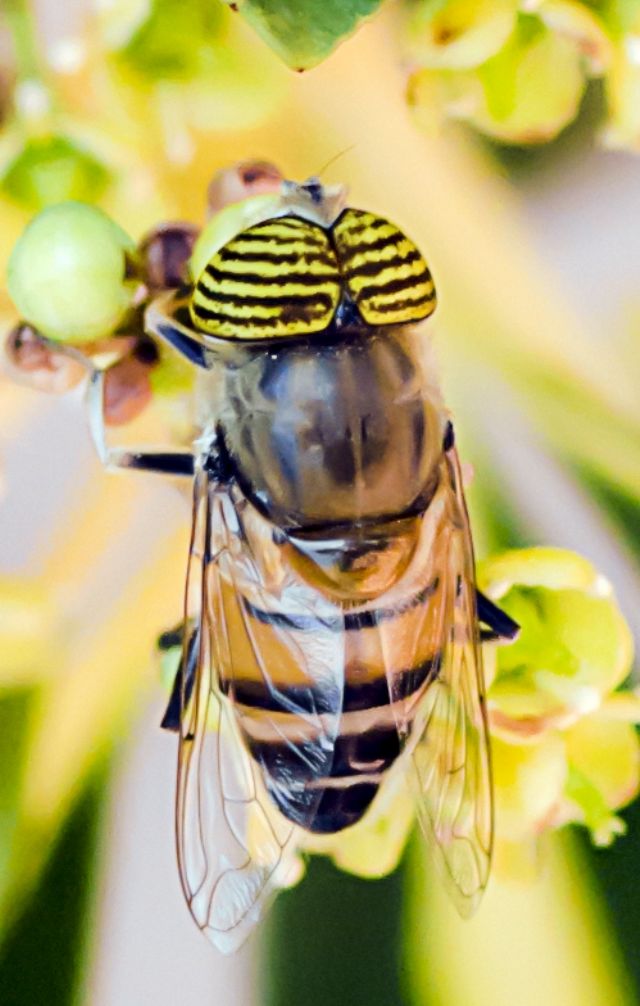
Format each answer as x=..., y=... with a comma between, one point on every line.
x=332, y=160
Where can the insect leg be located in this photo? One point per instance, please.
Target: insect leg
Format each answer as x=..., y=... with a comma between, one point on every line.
x=158, y=323
x=185, y=675
x=500, y=625
x=193, y=351
x=163, y=462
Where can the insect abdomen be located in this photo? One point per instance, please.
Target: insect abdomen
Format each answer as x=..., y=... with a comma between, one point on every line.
x=280, y=720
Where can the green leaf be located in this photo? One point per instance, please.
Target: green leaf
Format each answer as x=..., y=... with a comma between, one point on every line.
x=43, y=958
x=304, y=32
x=335, y=939
x=15, y=708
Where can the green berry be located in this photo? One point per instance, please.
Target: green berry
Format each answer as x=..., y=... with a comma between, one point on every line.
x=67, y=273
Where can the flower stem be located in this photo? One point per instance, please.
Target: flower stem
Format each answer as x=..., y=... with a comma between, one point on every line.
x=19, y=17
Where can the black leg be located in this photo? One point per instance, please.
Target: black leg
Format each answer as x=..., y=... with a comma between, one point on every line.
x=194, y=351
x=177, y=463
x=167, y=318
x=164, y=462
x=499, y=624
x=185, y=676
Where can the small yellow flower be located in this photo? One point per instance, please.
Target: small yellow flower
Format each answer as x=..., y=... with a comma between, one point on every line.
x=517, y=72
x=564, y=746
x=574, y=648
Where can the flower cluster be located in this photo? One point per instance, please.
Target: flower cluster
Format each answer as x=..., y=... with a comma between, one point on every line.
x=517, y=70
x=79, y=280
x=151, y=80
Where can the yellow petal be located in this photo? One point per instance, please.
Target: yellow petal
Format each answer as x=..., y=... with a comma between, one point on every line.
x=607, y=753
x=528, y=782
x=576, y=22
x=555, y=568
x=461, y=34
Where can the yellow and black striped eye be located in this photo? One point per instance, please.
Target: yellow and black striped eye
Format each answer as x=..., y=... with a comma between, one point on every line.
x=277, y=279
x=384, y=272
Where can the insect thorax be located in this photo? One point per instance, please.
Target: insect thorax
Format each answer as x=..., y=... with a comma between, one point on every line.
x=332, y=433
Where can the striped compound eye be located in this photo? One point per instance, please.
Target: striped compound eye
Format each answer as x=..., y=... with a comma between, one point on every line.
x=278, y=279
x=386, y=275
x=283, y=278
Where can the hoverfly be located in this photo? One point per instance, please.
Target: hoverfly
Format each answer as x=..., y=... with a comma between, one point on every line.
x=332, y=627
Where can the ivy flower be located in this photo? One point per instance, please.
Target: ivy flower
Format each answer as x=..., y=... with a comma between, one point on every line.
x=518, y=71
x=564, y=745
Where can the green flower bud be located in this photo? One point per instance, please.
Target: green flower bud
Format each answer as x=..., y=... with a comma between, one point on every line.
x=67, y=273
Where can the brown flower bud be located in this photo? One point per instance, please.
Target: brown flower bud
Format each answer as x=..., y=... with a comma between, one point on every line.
x=127, y=390
x=164, y=254
x=35, y=361
x=249, y=178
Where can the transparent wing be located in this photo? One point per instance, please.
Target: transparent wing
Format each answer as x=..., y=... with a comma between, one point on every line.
x=234, y=846
x=446, y=736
